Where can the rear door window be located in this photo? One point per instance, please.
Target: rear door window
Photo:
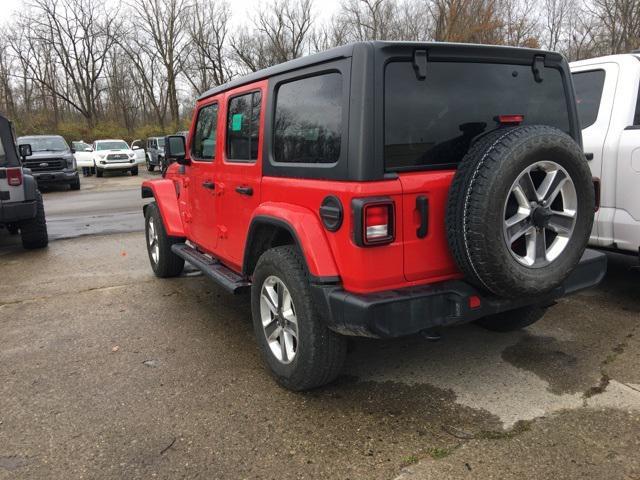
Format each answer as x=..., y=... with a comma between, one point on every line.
x=588, y=88
x=243, y=127
x=430, y=123
x=308, y=120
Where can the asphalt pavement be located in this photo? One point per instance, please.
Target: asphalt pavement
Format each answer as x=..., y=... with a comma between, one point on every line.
x=109, y=372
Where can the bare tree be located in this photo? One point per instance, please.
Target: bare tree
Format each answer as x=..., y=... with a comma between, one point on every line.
x=208, y=64
x=279, y=33
x=164, y=28
x=620, y=21
x=78, y=35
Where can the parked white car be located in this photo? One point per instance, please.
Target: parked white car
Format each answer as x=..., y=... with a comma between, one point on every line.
x=138, y=147
x=114, y=155
x=607, y=94
x=83, y=153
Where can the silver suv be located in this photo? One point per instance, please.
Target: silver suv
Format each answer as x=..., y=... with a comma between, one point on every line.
x=21, y=206
x=155, y=153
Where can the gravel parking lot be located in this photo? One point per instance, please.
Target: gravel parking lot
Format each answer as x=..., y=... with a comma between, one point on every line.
x=108, y=372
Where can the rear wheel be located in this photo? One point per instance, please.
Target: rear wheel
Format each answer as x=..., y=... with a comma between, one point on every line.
x=164, y=262
x=300, y=351
x=513, y=320
x=34, y=231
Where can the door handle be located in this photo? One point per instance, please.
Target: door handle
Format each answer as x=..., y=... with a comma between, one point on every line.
x=209, y=185
x=589, y=156
x=422, y=205
x=245, y=191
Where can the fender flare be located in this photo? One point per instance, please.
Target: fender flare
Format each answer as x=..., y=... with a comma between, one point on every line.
x=307, y=232
x=164, y=193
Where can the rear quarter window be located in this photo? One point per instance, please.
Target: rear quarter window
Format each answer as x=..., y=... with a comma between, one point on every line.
x=430, y=123
x=588, y=88
x=308, y=120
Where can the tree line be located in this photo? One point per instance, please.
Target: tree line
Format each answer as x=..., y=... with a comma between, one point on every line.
x=88, y=70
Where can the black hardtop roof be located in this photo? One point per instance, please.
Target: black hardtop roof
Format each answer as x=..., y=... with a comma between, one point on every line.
x=451, y=50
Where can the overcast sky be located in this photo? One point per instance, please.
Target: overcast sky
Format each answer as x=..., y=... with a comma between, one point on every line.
x=241, y=9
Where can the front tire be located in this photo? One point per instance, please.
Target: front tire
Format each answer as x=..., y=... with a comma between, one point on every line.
x=34, y=231
x=512, y=320
x=99, y=172
x=300, y=351
x=134, y=171
x=163, y=261
x=75, y=185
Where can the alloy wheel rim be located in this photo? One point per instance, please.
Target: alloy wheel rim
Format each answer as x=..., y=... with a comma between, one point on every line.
x=152, y=238
x=279, y=321
x=540, y=214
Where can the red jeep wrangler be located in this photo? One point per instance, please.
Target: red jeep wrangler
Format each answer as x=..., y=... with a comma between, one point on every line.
x=381, y=189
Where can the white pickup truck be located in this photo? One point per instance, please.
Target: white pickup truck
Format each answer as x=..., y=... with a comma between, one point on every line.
x=607, y=94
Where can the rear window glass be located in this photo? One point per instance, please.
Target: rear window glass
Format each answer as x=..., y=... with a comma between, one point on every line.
x=588, y=88
x=431, y=122
x=308, y=120
x=243, y=127
x=636, y=116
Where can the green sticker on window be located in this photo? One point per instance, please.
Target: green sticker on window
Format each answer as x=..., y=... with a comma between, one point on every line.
x=236, y=122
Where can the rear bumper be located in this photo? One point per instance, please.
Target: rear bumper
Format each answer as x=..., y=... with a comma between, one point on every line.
x=17, y=211
x=396, y=313
x=63, y=176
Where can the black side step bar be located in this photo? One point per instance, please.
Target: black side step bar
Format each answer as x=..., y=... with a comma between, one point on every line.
x=225, y=277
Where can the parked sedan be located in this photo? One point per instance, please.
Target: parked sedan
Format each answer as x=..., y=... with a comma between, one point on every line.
x=114, y=155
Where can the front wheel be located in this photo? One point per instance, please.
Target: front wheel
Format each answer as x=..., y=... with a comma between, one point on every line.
x=513, y=319
x=75, y=185
x=164, y=262
x=99, y=172
x=300, y=351
x=134, y=171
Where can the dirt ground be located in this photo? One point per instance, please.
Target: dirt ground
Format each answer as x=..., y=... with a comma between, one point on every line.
x=108, y=372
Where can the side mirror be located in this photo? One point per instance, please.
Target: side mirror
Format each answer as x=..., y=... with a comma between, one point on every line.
x=73, y=150
x=175, y=149
x=25, y=150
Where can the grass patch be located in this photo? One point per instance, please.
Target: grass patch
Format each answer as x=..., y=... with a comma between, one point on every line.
x=437, y=453
x=520, y=427
x=409, y=460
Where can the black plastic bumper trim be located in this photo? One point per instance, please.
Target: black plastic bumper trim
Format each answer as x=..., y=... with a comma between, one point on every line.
x=17, y=211
x=397, y=313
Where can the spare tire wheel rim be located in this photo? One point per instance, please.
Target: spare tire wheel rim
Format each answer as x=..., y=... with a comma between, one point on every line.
x=279, y=321
x=540, y=214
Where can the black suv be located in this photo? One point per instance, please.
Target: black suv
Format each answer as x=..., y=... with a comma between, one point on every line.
x=51, y=161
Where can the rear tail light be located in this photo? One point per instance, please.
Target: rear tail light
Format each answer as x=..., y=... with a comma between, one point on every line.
x=596, y=189
x=373, y=221
x=14, y=176
x=510, y=119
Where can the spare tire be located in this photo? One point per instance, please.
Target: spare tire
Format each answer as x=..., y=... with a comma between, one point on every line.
x=520, y=210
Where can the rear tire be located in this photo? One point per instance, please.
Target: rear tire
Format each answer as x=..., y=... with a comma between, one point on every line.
x=164, y=262
x=34, y=231
x=512, y=320
x=520, y=210
x=314, y=355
